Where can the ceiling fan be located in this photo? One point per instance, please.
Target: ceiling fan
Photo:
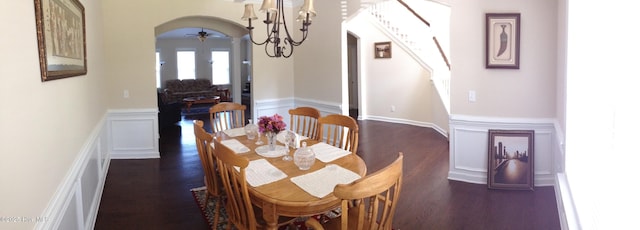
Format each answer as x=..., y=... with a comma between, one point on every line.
x=202, y=35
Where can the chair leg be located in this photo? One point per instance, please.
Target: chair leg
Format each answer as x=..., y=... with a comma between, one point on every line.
x=216, y=217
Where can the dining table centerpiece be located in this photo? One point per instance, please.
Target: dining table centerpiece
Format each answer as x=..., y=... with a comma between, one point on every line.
x=271, y=126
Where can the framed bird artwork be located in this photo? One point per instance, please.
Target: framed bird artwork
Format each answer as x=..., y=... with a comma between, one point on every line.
x=503, y=40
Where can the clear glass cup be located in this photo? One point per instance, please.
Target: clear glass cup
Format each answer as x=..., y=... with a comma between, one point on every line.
x=287, y=156
x=289, y=137
x=259, y=142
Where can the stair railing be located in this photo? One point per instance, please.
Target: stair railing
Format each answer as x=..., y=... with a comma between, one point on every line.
x=410, y=29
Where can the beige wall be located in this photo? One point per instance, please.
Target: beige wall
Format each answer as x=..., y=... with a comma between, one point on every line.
x=131, y=40
x=561, y=95
x=43, y=125
x=398, y=81
x=318, y=62
x=529, y=92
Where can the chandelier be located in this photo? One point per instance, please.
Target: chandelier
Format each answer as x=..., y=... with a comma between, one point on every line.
x=279, y=43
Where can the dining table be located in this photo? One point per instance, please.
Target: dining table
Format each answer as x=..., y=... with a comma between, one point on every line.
x=285, y=196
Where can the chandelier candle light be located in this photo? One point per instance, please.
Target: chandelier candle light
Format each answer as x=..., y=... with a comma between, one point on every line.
x=279, y=41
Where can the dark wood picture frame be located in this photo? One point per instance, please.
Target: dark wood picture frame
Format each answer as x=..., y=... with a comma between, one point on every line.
x=62, y=48
x=382, y=49
x=511, y=157
x=503, y=41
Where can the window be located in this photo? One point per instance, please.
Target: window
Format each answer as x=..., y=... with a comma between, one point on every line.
x=220, y=67
x=157, y=69
x=186, y=65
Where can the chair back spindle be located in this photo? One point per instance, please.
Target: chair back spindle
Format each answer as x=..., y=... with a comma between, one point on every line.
x=340, y=131
x=304, y=121
x=226, y=115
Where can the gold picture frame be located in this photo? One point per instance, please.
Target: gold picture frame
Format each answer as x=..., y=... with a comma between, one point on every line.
x=60, y=26
x=511, y=158
x=382, y=49
x=503, y=41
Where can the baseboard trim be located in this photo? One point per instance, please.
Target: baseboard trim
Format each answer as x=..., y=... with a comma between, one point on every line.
x=409, y=122
x=566, y=208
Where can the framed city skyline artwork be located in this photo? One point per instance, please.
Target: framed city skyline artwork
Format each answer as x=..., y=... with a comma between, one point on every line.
x=511, y=158
x=503, y=41
x=60, y=26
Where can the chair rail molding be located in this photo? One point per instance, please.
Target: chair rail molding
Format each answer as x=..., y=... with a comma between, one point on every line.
x=281, y=106
x=269, y=107
x=468, y=147
x=324, y=107
x=133, y=133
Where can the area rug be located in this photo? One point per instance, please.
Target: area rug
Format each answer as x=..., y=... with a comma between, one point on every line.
x=208, y=211
x=208, y=207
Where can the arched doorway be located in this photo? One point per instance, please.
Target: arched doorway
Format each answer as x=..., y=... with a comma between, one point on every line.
x=223, y=39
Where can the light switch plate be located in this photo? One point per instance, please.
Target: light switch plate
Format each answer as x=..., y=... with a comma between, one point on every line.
x=472, y=96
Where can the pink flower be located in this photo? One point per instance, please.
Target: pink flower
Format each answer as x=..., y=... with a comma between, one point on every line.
x=273, y=123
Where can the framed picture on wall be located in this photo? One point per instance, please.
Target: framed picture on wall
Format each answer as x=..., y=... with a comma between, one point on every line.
x=60, y=26
x=503, y=41
x=510, y=159
x=382, y=49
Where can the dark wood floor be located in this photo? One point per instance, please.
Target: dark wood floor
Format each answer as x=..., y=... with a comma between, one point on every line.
x=154, y=194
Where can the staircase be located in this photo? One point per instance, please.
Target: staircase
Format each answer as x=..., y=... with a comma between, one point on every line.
x=407, y=28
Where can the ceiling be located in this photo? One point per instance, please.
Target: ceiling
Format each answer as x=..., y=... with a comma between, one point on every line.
x=182, y=33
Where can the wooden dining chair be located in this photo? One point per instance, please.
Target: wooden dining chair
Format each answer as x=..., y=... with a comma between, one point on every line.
x=304, y=121
x=240, y=211
x=340, y=131
x=226, y=115
x=205, y=151
x=369, y=202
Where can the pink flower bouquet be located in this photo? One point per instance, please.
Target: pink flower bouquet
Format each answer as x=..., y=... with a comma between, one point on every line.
x=274, y=124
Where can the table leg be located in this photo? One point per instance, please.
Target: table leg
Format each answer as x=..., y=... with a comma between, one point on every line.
x=269, y=215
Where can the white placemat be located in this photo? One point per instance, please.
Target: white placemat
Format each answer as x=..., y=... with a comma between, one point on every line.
x=234, y=132
x=261, y=172
x=327, y=153
x=320, y=183
x=235, y=145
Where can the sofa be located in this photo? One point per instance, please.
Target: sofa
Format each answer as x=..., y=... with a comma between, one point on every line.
x=175, y=90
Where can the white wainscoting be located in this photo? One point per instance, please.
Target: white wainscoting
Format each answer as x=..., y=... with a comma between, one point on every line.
x=75, y=203
x=468, y=147
x=133, y=133
x=282, y=106
x=564, y=199
x=324, y=107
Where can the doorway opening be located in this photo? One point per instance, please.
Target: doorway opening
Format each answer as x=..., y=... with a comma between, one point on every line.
x=352, y=56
